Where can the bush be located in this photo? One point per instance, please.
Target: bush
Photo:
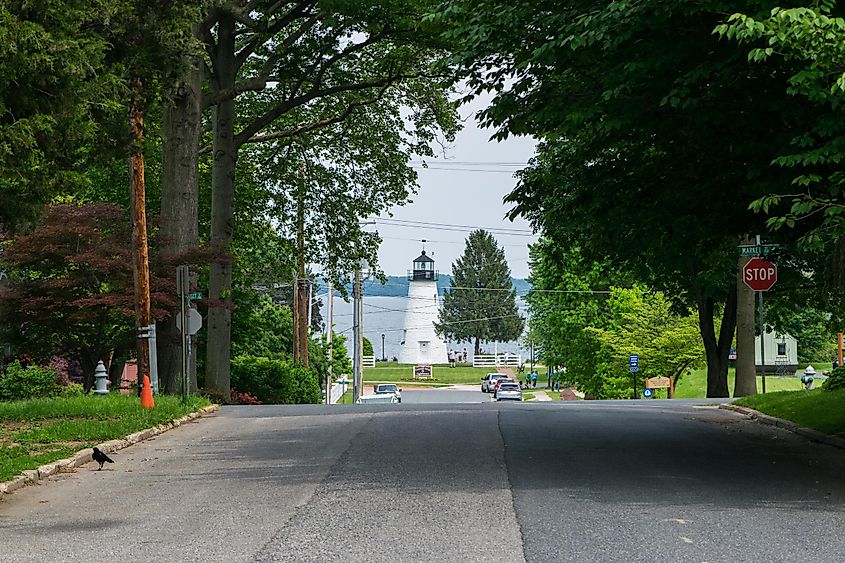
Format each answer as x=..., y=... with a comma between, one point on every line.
x=33, y=382
x=72, y=390
x=836, y=379
x=275, y=381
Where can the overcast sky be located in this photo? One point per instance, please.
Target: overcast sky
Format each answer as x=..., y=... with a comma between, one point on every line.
x=459, y=193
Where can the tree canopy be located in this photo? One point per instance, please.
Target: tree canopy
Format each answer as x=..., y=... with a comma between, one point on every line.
x=480, y=306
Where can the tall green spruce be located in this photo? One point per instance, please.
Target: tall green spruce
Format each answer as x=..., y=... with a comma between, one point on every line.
x=481, y=304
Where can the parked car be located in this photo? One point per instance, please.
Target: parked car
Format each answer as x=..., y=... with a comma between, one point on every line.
x=371, y=399
x=384, y=388
x=509, y=392
x=500, y=382
x=489, y=380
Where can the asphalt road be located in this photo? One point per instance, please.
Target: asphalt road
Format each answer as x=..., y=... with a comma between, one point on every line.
x=579, y=481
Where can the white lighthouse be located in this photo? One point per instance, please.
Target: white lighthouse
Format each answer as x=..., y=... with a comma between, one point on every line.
x=420, y=343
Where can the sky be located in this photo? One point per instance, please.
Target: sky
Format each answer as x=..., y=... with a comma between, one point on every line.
x=459, y=193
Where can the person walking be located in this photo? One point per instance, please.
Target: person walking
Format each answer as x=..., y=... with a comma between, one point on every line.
x=466, y=356
x=451, y=358
x=534, y=378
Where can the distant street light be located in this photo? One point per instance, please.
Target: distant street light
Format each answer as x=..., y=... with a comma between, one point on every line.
x=383, y=357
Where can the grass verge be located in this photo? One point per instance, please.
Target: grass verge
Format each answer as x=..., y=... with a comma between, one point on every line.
x=40, y=431
x=818, y=409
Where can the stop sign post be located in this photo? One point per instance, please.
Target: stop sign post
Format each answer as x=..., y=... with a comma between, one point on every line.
x=759, y=274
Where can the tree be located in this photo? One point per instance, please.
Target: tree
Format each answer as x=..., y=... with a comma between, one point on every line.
x=276, y=70
x=635, y=103
x=481, y=303
x=53, y=93
x=643, y=323
x=72, y=287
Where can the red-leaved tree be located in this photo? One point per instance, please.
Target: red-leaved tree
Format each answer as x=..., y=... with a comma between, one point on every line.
x=71, y=286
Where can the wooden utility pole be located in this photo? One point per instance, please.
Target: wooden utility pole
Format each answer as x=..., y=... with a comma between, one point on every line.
x=746, y=370
x=300, y=300
x=140, y=263
x=329, y=330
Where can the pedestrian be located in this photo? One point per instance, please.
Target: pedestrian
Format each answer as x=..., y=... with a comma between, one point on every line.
x=534, y=378
x=466, y=356
x=451, y=358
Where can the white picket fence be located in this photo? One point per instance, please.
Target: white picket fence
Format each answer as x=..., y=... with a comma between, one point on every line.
x=368, y=361
x=338, y=389
x=494, y=360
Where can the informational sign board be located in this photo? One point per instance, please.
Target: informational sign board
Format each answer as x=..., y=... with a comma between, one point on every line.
x=634, y=362
x=423, y=371
x=658, y=383
x=648, y=393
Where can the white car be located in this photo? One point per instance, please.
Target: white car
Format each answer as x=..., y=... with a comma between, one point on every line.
x=384, y=388
x=373, y=399
x=508, y=392
x=488, y=382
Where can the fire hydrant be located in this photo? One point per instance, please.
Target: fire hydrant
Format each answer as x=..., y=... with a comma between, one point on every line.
x=101, y=379
x=808, y=377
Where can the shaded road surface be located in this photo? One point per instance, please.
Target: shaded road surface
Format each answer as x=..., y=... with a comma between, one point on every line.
x=581, y=481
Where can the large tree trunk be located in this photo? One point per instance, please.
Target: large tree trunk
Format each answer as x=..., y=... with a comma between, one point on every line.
x=746, y=377
x=716, y=350
x=222, y=217
x=179, y=201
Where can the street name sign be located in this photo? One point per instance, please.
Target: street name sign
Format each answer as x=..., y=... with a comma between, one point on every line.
x=759, y=274
x=757, y=249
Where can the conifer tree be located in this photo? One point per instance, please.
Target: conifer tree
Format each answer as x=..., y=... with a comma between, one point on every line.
x=481, y=304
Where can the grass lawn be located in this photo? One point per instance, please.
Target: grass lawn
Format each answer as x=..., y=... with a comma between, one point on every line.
x=694, y=385
x=818, y=409
x=345, y=399
x=39, y=431
x=401, y=373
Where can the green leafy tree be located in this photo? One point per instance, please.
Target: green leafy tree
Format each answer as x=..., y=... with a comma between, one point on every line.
x=481, y=304
x=569, y=294
x=635, y=103
x=368, y=347
x=811, y=39
x=643, y=323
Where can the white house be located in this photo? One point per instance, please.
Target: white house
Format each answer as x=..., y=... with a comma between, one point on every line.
x=781, y=352
x=420, y=343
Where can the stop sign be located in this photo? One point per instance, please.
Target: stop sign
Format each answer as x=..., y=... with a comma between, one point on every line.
x=759, y=274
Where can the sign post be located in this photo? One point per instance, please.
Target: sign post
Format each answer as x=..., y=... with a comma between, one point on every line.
x=634, y=363
x=760, y=275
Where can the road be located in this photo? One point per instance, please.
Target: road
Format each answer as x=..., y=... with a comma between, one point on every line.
x=578, y=481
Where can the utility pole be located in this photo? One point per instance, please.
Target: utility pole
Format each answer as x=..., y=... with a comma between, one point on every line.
x=329, y=330
x=746, y=371
x=140, y=262
x=356, y=334
x=301, y=303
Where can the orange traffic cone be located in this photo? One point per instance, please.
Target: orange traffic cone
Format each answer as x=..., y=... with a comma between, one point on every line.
x=147, y=394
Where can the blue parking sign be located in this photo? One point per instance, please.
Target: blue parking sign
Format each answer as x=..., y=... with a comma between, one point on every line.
x=634, y=362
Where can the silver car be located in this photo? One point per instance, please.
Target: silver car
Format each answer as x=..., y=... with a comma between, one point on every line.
x=509, y=392
x=488, y=383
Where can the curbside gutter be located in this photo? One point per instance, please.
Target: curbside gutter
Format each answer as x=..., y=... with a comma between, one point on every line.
x=809, y=433
x=82, y=457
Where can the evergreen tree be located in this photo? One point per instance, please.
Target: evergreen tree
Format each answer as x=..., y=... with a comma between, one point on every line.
x=481, y=304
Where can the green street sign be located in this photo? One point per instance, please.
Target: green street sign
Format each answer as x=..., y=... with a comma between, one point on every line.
x=196, y=295
x=757, y=249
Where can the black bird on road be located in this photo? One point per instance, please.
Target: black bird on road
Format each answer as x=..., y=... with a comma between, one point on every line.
x=101, y=458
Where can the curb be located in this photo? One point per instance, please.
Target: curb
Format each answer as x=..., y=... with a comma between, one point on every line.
x=809, y=433
x=29, y=476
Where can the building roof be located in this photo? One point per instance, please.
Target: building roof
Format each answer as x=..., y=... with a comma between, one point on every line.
x=423, y=258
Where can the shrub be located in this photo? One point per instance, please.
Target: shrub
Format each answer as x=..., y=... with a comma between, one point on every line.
x=72, y=390
x=27, y=383
x=239, y=398
x=836, y=379
x=275, y=381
